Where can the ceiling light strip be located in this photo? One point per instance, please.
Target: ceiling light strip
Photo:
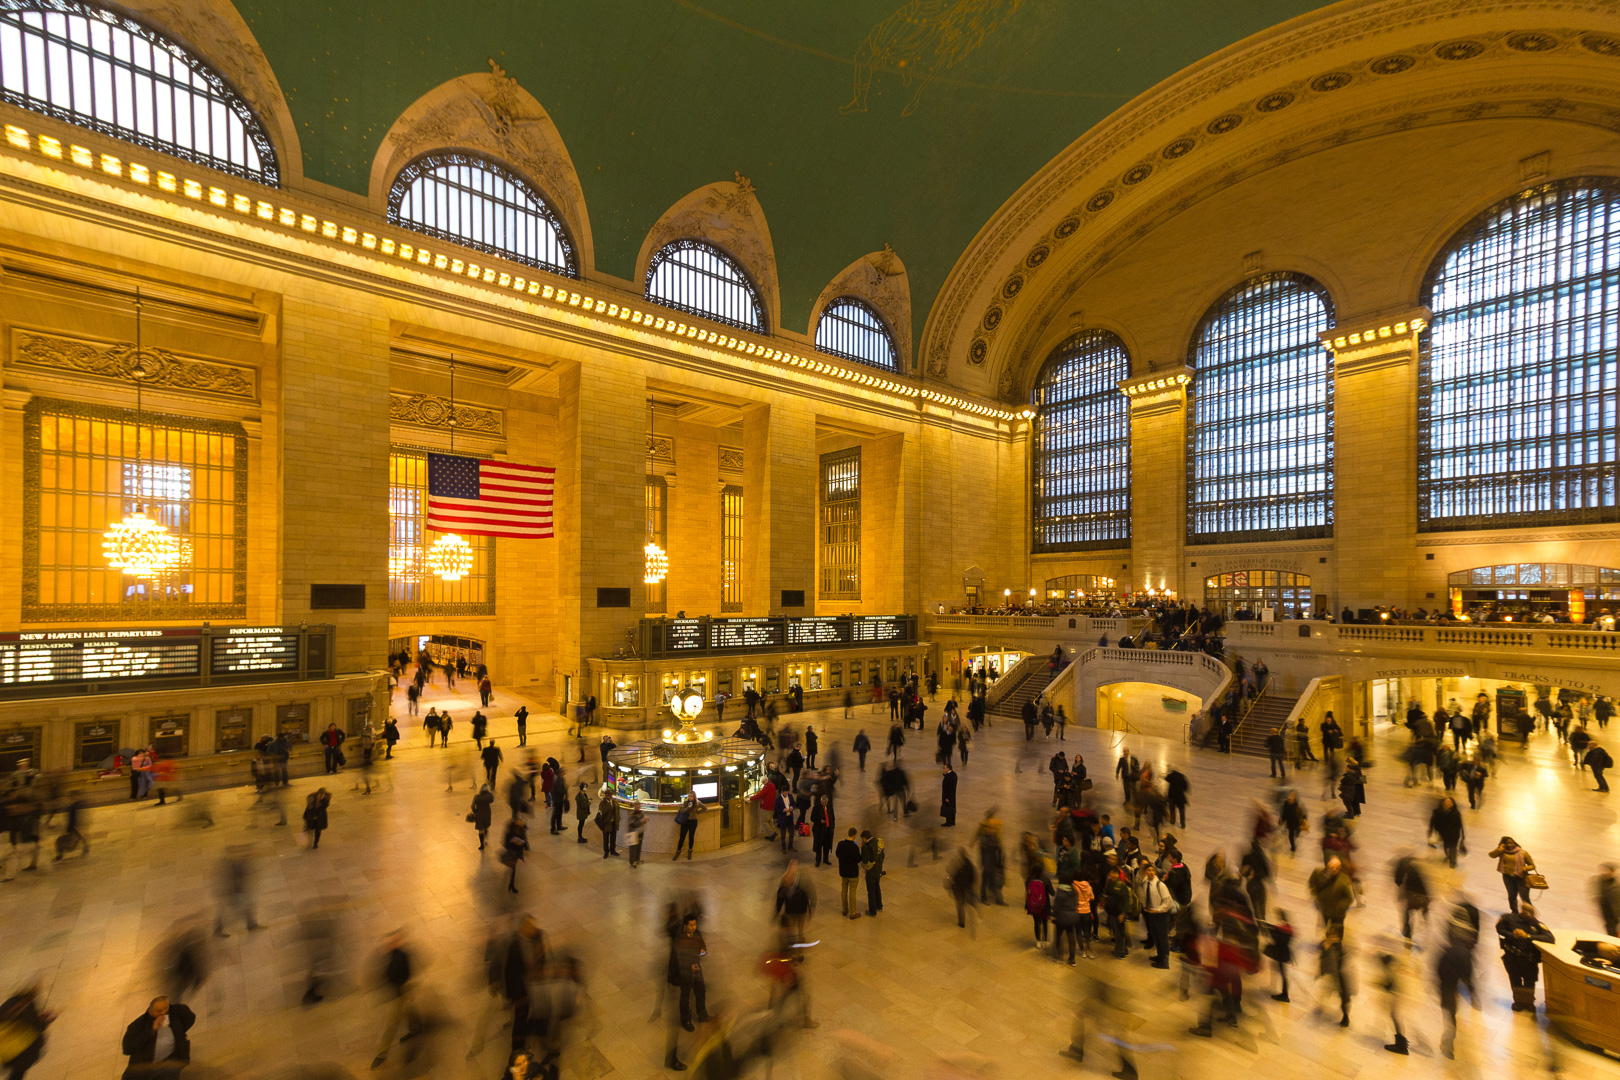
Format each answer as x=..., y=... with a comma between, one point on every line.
x=410, y=252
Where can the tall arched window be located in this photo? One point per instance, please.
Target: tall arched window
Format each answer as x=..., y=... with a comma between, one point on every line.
x=1517, y=375
x=698, y=278
x=471, y=200
x=103, y=70
x=850, y=328
x=1260, y=423
x=1082, y=447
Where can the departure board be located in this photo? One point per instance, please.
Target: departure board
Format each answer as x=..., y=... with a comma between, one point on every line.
x=881, y=627
x=59, y=656
x=817, y=630
x=254, y=649
x=745, y=633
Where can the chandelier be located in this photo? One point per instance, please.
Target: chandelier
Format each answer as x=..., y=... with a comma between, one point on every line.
x=138, y=545
x=657, y=564
x=450, y=558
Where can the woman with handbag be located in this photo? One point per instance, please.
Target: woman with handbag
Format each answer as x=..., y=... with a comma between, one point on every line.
x=481, y=813
x=1515, y=865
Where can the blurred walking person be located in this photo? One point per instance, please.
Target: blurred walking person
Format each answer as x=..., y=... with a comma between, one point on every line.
x=399, y=992
x=482, y=814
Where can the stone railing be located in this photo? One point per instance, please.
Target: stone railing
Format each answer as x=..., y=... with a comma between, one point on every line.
x=1031, y=622
x=1010, y=678
x=1284, y=634
x=1051, y=626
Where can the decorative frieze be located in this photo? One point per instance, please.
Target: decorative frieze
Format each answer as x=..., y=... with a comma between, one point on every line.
x=115, y=361
x=432, y=411
x=731, y=459
x=660, y=451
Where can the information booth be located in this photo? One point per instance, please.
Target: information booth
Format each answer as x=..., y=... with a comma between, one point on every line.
x=722, y=773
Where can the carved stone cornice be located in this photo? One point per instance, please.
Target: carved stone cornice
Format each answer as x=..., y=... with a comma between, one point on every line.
x=114, y=361
x=1368, y=345
x=660, y=451
x=432, y=411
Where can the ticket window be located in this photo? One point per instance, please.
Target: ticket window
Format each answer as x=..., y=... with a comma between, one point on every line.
x=876, y=675
x=816, y=681
x=671, y=686
x=18, y=747
x=835, y=675
x=292, y=722
x=626, y=691
x=795, y=676
x=699, y=681
x=171, y=735
x=750, y=679
x=894, y=670
x=722, y=683
x=773, y=680
x=233, y=730
x=94, y=742
x=359, y=712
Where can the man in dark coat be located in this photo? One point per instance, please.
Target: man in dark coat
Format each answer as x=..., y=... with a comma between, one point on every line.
x=947, y=796
x=1597, y=759
x=156, y=1041
x=1029, y=713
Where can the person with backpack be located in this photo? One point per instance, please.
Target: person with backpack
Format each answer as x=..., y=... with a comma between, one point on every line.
x=1598, y=760
x=1038, y=905
x=1158, y=907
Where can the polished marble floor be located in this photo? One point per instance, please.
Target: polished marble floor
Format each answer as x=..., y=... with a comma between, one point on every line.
x=907, y=994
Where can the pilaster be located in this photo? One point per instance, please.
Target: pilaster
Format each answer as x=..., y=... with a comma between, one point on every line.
x=1158, y=477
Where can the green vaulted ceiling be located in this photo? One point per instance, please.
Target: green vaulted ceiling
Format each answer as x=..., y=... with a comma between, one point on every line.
x=966, y=100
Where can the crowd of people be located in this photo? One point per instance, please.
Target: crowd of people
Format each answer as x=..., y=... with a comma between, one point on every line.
x=1105, y=874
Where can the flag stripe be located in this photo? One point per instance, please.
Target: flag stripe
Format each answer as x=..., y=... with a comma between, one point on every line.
x=511, y=499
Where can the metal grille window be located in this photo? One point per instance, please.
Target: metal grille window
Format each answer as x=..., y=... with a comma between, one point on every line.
x=841, y=525
x=1082, y=446
x=658, y=533
x=413, y=588
x=731, y=542
x=700, y=279
x=850, y=328
x=85, y=467
x=1260, y=429
x=468, y=199
x=100, y=69
x=1517, y=375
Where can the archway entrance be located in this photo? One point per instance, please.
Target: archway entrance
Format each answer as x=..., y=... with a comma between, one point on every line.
x=1146, y=709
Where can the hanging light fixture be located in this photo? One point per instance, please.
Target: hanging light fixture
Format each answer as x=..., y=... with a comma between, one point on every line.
x=657, y=568
x=138, y=545
x=450, y=558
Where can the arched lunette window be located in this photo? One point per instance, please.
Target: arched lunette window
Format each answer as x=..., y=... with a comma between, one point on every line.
x=698, y=278
x=1260, y=424
x=477, y=202
x=100, y=69
x=1082, y=448
x=849, y=327
x=1519, y=368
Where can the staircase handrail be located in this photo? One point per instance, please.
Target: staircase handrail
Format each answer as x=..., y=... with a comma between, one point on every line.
x=1008, y=683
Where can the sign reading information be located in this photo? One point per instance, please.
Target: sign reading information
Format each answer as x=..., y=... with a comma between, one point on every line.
x=254, y=649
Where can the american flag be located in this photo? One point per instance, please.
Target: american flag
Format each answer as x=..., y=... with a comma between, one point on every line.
x=488, y=498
